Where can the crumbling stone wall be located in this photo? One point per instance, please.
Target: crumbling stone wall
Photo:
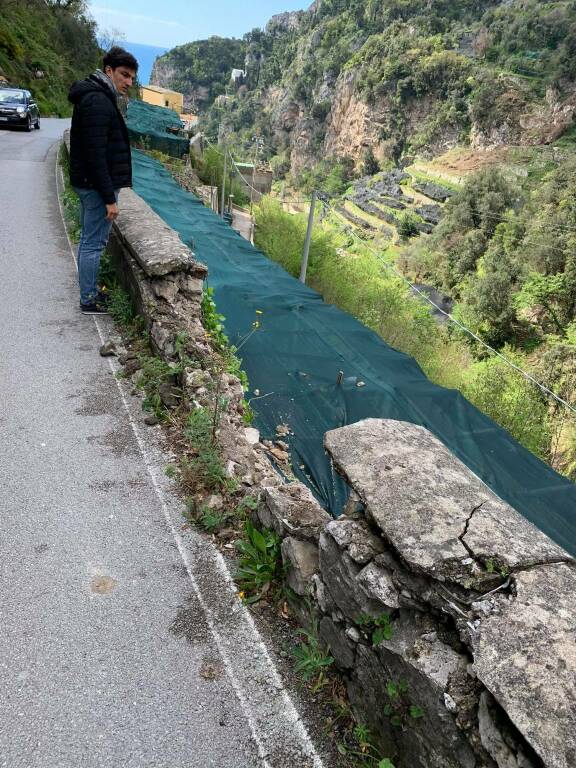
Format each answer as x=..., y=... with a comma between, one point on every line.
x=476, y=667
x=166, y=284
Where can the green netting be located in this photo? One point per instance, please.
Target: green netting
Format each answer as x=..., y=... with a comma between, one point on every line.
x=294, y=358
x=147, y=124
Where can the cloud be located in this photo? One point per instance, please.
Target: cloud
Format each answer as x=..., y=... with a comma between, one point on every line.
x=131, y=18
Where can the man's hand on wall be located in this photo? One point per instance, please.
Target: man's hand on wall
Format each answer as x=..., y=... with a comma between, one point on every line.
x=112, y=211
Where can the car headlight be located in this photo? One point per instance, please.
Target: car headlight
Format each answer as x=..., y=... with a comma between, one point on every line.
x=21, y=110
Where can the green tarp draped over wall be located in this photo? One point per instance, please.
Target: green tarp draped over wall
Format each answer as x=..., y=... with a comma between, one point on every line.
x=294, y=358
x=147, y=123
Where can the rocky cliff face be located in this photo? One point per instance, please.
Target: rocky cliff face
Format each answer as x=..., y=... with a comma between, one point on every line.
x=349, y=127
x=530, y=124
x=165, y=72
x=284, y=22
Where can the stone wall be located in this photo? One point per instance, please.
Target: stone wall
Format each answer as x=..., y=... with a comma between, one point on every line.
x=450, y=617
x=476, y=666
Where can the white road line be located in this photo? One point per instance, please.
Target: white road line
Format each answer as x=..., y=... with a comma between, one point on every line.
x=274, y=722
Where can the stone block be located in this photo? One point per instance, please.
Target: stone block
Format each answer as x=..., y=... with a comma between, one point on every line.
x=154, y=245
x=502, y=749
x=341, y=647
x=431, y=740
x=425, y=501
x=376, y=583
x=356, y=591
x=252, y=435
x=165, y=288
x=292, y=510
x=356, y=538
x=526, y=657
x=162, y=339
x=301, y=561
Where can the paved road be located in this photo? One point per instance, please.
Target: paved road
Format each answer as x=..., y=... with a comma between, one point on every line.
x=242, y=223
x=122, y=642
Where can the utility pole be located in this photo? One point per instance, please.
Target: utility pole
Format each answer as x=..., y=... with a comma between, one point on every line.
x=223, y=199
x=258, y=144
x=308, y=240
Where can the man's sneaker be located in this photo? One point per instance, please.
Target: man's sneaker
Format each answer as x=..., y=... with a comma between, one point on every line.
x=93, y=308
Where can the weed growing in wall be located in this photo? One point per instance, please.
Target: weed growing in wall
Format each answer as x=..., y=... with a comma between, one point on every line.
x=399, y=708
x=260, y=562
x=312, y=658
x=70, y=200
x=379, y=628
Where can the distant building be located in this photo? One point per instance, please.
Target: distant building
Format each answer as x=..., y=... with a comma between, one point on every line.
x=162, y=97
x=189, y=121
x=238, y=76
x=222, y=100
x=260, y=179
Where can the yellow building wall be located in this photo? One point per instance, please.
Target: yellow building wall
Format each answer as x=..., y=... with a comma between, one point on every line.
x=172, y=99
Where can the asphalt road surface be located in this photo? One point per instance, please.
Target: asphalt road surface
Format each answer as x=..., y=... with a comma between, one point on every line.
x=122, y=641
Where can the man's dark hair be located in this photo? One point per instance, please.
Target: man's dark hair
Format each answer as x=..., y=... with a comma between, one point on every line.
x=118, y=57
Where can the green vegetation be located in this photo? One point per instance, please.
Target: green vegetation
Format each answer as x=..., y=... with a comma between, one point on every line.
x=312, y=658
x=69, y=199
x=364, y=753
x=399, y=708
x=210, y=170
x=379, y=628
x=260, y=561
x=45, y=45
x=202, y=467
x=203, y=64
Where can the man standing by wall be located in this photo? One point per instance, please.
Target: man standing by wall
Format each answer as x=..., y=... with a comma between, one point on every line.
x=100, y=164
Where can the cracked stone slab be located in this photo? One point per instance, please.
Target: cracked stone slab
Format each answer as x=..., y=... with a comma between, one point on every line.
x=436, y=513
x=526, y=657
x=156, y=247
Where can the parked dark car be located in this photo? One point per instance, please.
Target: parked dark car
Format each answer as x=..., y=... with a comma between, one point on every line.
x=18, y=107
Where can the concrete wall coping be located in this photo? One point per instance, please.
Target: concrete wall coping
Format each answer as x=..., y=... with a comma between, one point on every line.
x=445, y=524
x=155, y=246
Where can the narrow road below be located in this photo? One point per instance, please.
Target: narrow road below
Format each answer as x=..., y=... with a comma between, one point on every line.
x=122, y=642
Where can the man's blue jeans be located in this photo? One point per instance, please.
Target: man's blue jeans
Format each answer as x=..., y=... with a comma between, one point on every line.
x=95, y=233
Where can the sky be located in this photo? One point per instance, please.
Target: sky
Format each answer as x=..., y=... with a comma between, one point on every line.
x=173, y=22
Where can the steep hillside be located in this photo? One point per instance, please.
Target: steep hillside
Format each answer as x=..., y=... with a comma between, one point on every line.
x=443, y=132
x=405, y=76
x=200, y=70
x=45, y=46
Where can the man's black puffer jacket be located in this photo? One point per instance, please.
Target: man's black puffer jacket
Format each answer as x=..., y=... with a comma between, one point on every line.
x=99, y=145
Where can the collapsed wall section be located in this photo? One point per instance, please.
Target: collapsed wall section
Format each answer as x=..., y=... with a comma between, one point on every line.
x=451, y=617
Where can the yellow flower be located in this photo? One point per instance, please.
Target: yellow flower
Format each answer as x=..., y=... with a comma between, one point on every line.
x=256, y=324
x=242, y=595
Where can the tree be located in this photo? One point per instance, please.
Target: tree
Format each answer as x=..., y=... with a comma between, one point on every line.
x=109, y=37
x=370, y=166
x=546, y=291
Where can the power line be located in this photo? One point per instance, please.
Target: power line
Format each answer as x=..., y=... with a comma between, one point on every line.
x=453, y=320
x=502, y=217
x=501, y=220
x=241, y=176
